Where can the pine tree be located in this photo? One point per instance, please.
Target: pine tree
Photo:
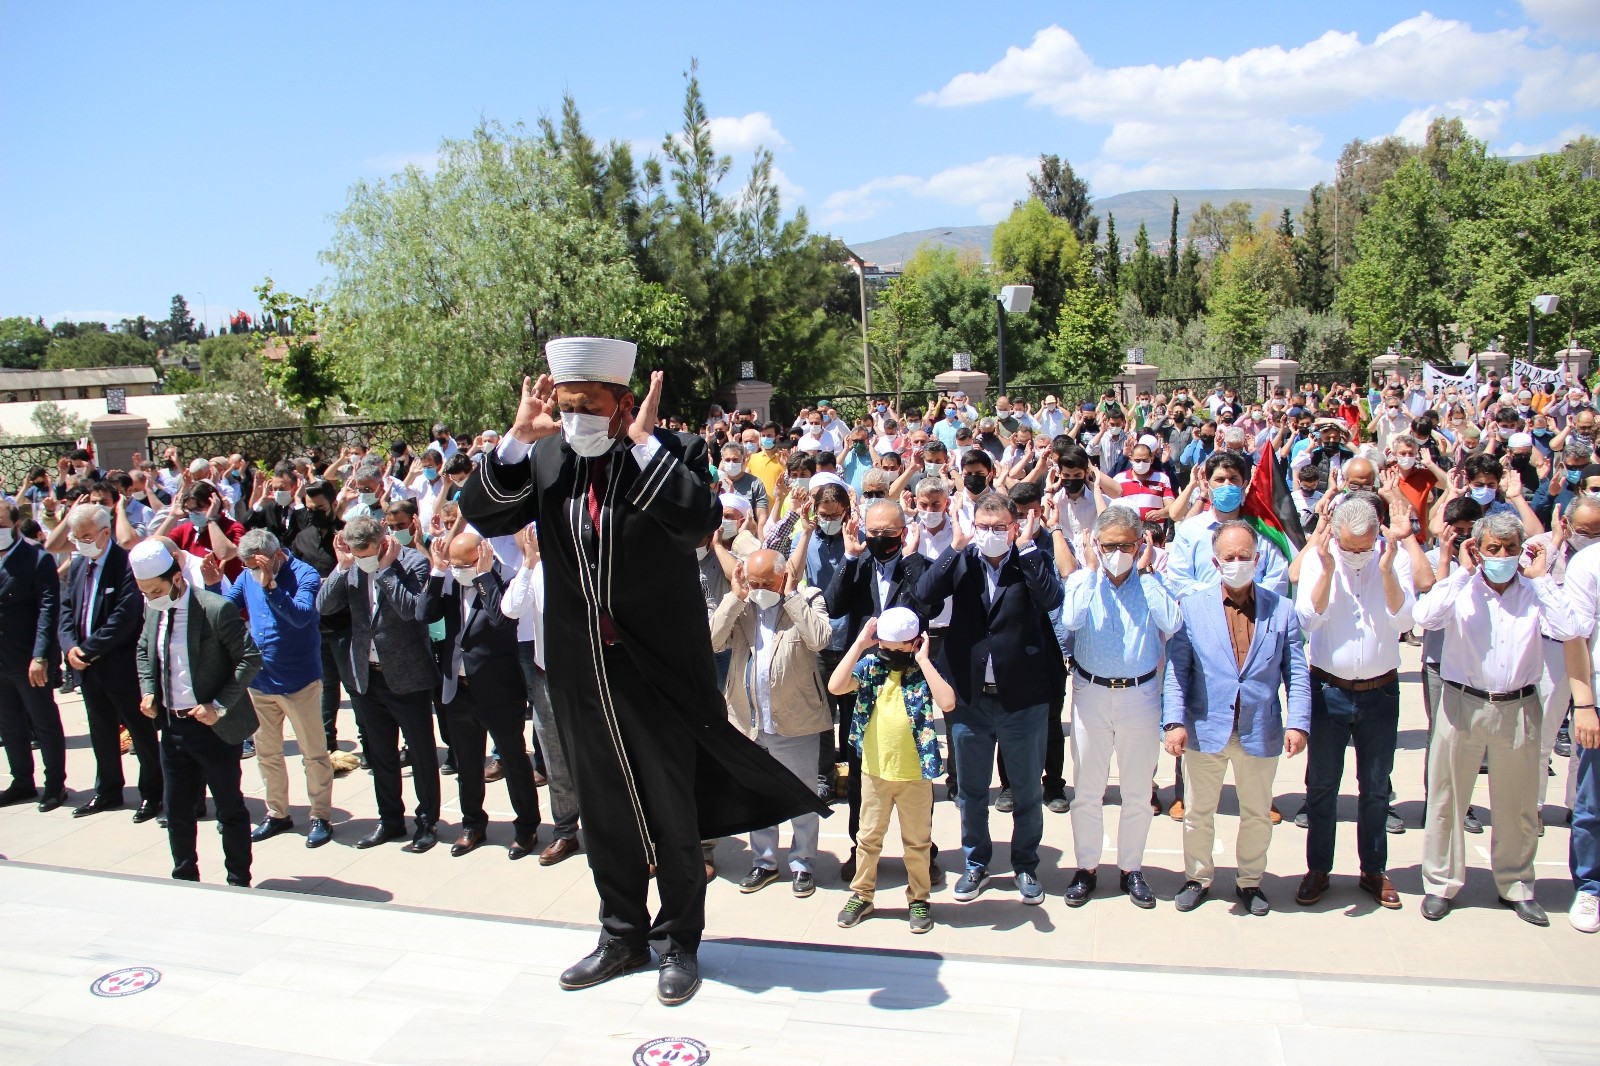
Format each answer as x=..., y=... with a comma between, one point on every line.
x=1146, y=273
x=1172, y=246
x=1312, y=254
x=1113, y=267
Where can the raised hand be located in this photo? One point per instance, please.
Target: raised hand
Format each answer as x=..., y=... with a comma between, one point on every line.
x=1087, y=555
x=1321, y=543
x=210, y=569
x=439, y=553
x=536, y=413
x=390, y=552
x=741, y=584
x=341, y=552
x=853, y=544
x=528, y=540
x=1029, y=527
x=961, y=534
x=486, y=559
x=647, y=414
x=1535, y=562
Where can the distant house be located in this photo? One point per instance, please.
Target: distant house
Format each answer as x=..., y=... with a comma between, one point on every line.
x=26, y=386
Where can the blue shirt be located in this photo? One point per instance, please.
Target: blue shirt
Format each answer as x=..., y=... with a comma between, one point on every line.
x=284, y=625
x=1189, y=558
x=854, y=464
x=824, y=556
x=945, y=430
x=1120, y=630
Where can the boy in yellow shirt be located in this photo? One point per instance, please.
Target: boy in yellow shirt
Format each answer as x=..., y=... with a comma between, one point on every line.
x=897, y=688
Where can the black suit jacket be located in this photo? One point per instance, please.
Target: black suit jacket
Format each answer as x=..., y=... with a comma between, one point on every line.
x=404, y=650
x=488, y=643
x=281, y=522
x=853, y=592
x=222, y=662
x=30, y=603
x=116, y=619
x=1013, y=628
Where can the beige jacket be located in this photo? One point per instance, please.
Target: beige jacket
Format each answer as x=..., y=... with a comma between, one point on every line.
x=799, y=703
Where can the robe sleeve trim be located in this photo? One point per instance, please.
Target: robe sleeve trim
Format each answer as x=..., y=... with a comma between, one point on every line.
x=654, y=478
x=490, y=481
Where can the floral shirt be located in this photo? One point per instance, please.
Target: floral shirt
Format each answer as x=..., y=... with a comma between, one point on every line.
x=871, y=673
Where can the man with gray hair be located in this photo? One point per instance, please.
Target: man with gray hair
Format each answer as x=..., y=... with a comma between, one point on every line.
x=278, y=593
x=1493, y=608
x=1121, y=619
x=1354, y=600
x=366, y=492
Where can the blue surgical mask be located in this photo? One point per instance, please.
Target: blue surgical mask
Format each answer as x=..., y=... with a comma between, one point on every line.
x=1484, y=494
x=430, y=473
x=767, y=443
x=1574, y=476
x=1500, y=571
x=1226, y=498
x=950, y=413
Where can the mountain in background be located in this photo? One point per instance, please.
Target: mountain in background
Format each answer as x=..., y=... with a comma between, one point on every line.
x=1153, y=207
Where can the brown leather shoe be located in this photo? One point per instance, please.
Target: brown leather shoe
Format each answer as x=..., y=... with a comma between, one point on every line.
x=1276, y=815
x=1378, y=887
x=493, y=770
x=558, y=850
x=1312, y=886
x=1175, y=812
x=539, y=780
x=469, y=839
x=711, y=872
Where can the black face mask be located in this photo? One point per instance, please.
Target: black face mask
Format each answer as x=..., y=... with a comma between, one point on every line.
x=975, y=483
x=1072, y=485
x=884, y=549
x=896, y=660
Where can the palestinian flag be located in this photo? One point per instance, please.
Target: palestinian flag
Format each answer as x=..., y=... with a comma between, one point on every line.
x=1269, y=507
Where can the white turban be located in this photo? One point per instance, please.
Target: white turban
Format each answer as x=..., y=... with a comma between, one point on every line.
x=737, y=502
x=591, y=359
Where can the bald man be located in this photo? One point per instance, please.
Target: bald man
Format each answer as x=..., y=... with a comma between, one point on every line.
x=483, y=691
x=1359, y=474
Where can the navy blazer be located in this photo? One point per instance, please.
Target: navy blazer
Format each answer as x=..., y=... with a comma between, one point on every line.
x=852, y=595
x=488, y=644
x=30, y=602
x=1013, y=629
x=118, y=614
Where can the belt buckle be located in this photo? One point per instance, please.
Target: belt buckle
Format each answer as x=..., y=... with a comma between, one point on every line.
x=1119, y=682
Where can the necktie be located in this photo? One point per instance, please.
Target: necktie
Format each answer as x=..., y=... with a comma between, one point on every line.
x=166, y=659
x=597, y=489
x=88, y=600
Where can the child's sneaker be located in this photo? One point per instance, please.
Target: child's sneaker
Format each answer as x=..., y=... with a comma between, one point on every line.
x=921, y=917
x=854, y=910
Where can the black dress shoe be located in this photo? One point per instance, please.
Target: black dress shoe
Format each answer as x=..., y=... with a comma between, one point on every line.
x=1139, y=892
x=1528, y=911
x=468, y=841
x=270, y=827
x=51, y=800
x=238, y=882
x=147, y=810
x=522, y=847
x=1081, y=889
x=679, y=979
x=1190, y=896
x=96, y=806
x=18, y=794
x=426, y=836
x=1254, y=900
x=1435, y=907
x=381, y=834
x=320, y=833
x=609, y=960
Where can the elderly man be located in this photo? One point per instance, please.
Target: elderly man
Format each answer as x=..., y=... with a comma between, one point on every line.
x=1238, y=646
x=773, y=694
x=1190, y=559
x=30, y=667
x=1001, y=588
x=1492, y=608
x=1121, y=613
x=1355, y=598
x=99, y=625
x=279, y=596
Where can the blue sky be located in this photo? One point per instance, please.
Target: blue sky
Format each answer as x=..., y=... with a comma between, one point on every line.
x=195, y=148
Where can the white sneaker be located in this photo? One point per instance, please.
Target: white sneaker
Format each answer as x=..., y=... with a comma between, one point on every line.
x=1585, y=913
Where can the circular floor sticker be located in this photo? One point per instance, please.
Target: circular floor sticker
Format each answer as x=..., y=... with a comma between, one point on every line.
x=671, y=1051
x=139, y=978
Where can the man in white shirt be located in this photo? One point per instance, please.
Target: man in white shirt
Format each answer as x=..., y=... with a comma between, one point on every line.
x=1052, y=421
x=1492, y=609
x=1354, y=600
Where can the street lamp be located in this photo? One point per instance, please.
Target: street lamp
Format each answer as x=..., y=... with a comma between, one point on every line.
x=1013, y=300
x=1543, y=305
x=859, y=265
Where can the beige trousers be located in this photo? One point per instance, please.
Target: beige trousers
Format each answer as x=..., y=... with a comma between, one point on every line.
x=303, y=709
x=1202, y=788
x=914, y=801
x=1462, y=730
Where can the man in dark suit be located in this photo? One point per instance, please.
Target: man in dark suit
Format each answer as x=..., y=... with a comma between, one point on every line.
x=874, y=577
x=382, y=585
x=30, y=666
x=195, y=661
x=1002, y=588
x=483, y=688
x=101, y=613
x=272, y=505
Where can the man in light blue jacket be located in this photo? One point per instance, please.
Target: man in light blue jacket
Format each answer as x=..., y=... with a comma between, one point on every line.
x=1239, y=643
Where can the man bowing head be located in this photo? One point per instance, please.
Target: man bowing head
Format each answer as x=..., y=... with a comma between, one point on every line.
x=620, y=507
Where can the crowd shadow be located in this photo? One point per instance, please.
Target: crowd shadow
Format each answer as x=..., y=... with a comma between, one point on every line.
x=313, y=885
x=894, y=978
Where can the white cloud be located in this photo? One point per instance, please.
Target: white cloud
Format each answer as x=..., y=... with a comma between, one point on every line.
x=1552, y=144
x=735, y=136
x=865, y=200
x=1483, y=118
x=988, y=187
x=1569, y=18
x=110, y=318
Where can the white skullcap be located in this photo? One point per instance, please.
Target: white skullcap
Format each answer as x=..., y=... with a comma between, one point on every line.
x=150, y=558
x=591, y=359
x=1150, y=441
x=826, y=478
x=809, y=444
x=884, y=446
x=737, y=502
x=1520, y=440
x=491, y=434
x=899, y=624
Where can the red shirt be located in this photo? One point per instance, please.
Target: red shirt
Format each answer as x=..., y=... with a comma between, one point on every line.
x=198, y=542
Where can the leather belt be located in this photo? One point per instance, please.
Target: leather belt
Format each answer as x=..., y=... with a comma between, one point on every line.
x=1495, y=697
x=1364, y=685
x=988, y=689
x=1113, y=682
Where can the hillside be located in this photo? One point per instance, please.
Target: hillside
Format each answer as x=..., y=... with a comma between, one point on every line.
x=1153, y=207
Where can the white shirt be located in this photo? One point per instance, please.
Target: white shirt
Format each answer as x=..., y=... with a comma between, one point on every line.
x=761, y=660
x=177, y=684
x=428, y=495
x=931, y=544
x=1356, y=637
x=1491, y=639
x=91, y=593
x=353, y=574
x=1078, y=514
x=1052, y=423
x=524, y=601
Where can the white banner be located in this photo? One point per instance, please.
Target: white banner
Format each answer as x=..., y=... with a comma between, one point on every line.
x=1436, y=381
x=1526, y=371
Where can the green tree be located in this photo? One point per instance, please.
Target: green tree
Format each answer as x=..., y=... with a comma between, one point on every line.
x=1219, y=227
x=235, y=395
x=1186, y=302
x=180, y=327
x=300, y=368
x=1064, y=194
x=1145, y=274
x=1087, y=347
x=55, y=423
x=1036, y=248
x=92, y=348
x=1112, y=272
x=1238, y=308
x=1172, y=246
x=23, y=343
x=1313, y=262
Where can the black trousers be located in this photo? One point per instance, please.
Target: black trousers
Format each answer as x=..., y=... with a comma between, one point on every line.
x=384, y=716
x=335, y=673
x=661, y=756
x=111, y=698
x=27, y=712
x=473, y=719
x=193, y=759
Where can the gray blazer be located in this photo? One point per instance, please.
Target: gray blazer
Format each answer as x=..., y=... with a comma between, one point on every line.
x=404, y=650
x=222, y=661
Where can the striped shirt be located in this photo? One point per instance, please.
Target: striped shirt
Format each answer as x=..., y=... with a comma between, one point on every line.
x=1144, y=494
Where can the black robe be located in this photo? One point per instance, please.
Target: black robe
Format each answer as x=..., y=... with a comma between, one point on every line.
x=646, y=578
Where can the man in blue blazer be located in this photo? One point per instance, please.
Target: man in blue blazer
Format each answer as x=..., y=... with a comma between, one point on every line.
x=1239, y=643
x=30, y=666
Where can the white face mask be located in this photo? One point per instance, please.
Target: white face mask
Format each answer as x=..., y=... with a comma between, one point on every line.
x=161, y=602
x=801, y=483
x=368, y=563
x=198, y=519
x=588, y=435
x=1405, y=462
x=932, y=469
x=87, y=548
x=7, y=535
x=283, y=497
x=1116, y=563
x=1141, y=468
x=731, y=469
x=764, y=599
x=993, y=543
x=730, y=529
x=830, y=527
x=368, y=499
x=813, y=430
x=464, y=575
x=931, y=519
x=1358, y=561
x=1237, y=573
x=1579, y=541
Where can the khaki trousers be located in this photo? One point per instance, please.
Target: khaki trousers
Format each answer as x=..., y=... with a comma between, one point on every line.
x=303, y=709
x=1463, y=730
x=1202, y=788
x=914, y=801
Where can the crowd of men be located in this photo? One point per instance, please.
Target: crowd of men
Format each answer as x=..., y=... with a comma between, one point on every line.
x=891, y=600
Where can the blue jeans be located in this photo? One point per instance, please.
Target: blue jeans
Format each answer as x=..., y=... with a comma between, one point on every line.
x=1584, y=853
x=975, y=729
x=1372, y=720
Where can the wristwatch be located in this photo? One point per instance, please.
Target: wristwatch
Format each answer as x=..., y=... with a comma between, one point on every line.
x=1170, y=726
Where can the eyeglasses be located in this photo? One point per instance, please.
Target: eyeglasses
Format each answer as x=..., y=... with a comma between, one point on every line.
x=884, y=532
x=1127, y=548
x=993, y=529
